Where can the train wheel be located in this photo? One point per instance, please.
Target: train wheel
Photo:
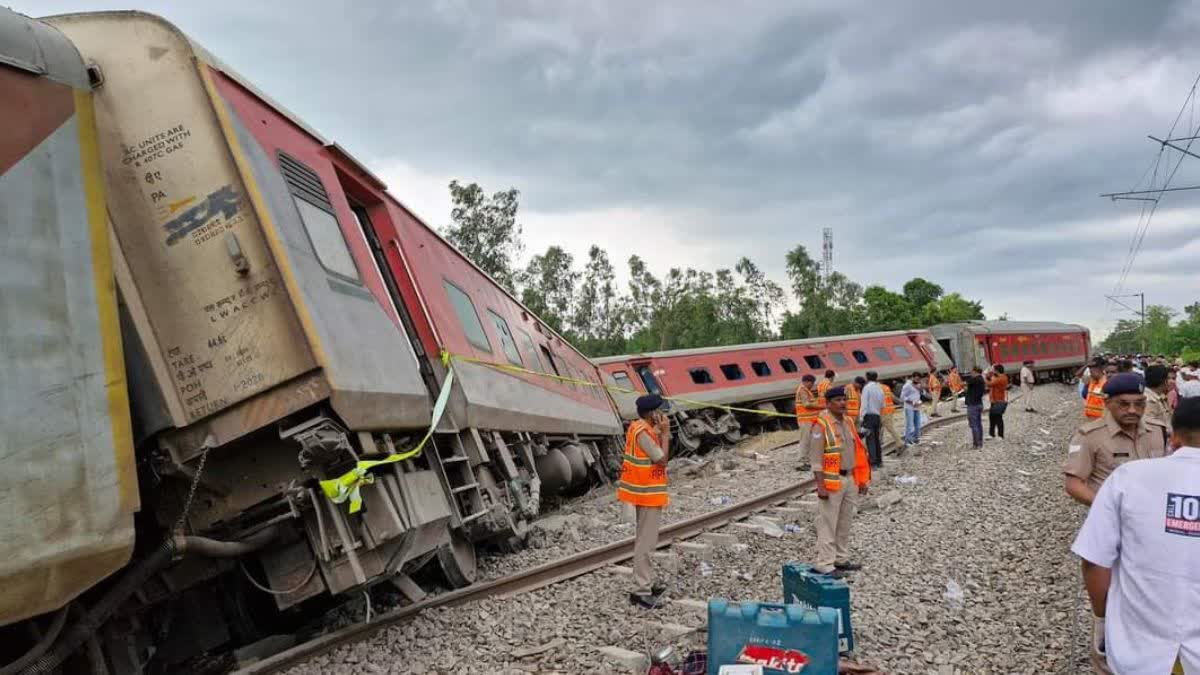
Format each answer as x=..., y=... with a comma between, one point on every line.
x=457, y=560
x=733, y=435
x=687, y=442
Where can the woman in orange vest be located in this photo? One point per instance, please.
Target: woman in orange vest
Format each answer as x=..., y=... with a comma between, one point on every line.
x=935, y=393
x=835, y=464
x=956, y=388
x=643, y=484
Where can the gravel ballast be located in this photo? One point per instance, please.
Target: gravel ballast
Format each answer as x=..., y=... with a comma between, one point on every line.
x=993, y=523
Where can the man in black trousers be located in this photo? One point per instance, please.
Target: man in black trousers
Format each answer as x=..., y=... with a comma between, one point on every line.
x=872, y=423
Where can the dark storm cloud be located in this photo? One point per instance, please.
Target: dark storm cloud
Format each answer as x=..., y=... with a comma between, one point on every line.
x=930, y=135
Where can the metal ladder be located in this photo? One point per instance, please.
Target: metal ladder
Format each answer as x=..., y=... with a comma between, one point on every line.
x=459, y=481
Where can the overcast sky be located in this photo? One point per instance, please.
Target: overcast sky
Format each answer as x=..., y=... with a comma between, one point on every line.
x=965, y=142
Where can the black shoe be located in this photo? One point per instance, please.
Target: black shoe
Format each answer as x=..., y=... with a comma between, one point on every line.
x=645, y=601
x=658, y=589
x=848, y=566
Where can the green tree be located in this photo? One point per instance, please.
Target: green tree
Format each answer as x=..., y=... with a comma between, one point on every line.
x=949, y=309
x=599, y=322
x=886, y=310
x=921, y=292
x=830, y=306
x=548, y=283
x=485, y=229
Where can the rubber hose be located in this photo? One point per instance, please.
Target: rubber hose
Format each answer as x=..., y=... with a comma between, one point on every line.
x=40, y=648
x=152, y=564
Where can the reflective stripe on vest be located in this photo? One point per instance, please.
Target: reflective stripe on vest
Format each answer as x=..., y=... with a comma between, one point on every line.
x=805, y=414
x=1093, y=407
x=889, y=401
x=642, y=483
x=956, y=383
x=822, y=387
x=853, y=401
x=831, y=458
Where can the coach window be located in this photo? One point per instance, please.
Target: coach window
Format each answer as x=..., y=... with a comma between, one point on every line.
x=814, y=362
x=882, y=354
x=761, y=368
x=506, y=339
x=902, y=352
x=732, y=371
x=317, y=215
x=1004, y=351
x=531, y=352
x=700, y=376
x=788, y=365
x=838, y=359
x=468, y=317
x=860, y=356
x=549, y=358
x=621, y=378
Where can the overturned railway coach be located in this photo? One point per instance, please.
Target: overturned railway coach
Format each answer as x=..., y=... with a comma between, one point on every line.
x=277, y=318
x=1058, y=350
x=761, y=376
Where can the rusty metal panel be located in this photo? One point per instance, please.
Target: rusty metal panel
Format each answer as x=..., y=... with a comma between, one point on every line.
x=203, y=288
x=69, y=488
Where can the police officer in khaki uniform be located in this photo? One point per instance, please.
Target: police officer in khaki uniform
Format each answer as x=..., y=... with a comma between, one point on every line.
x=842, y=471
x=1124, y=433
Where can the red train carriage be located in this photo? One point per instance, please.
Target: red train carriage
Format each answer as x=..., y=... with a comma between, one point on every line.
x=762, y=376
x=1058, y=350
x=282, y=319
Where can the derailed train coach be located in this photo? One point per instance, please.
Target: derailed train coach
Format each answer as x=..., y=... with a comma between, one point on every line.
x=758, y=377
x=1058, y=350
x=277, y=319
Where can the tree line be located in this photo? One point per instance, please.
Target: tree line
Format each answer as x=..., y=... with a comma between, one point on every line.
x=1163, y=334
x=685, y=307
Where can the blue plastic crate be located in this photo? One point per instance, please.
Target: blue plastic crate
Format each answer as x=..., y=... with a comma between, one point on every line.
x=805, y=586
x=785, y=632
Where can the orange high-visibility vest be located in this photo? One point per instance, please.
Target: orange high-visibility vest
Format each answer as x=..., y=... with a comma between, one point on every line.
x=1093, y=407
x=889, y=402
x=935, y=385
x=956, y=383
x=831, y=460
x=822, y=387
x=853, y=401
x=642, y=483
x=806, y=409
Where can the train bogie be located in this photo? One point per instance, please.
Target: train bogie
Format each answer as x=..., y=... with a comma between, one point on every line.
x=1058, y=350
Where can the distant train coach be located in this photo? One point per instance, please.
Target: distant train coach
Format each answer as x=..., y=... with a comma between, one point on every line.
x=1058, y=350
x=760, y=377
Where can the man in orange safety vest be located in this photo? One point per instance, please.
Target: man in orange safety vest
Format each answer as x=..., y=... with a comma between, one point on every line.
x=842, y=472
x=1093, y=403
x=955, y=381
x=643, y=484
x=807, y=407
x=935, y=392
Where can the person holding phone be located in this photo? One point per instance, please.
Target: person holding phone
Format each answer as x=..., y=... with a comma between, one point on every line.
x=643, y=484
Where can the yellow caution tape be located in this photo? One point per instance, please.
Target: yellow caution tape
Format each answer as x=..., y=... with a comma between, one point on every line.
x=349, y=485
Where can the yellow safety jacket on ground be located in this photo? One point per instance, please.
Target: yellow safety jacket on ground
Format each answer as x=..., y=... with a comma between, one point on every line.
x=806, y=408
x=889, y=401
x=831, y=464
x=642, y=483
x=956, y=383
x=1093, y=407
x=853, y=401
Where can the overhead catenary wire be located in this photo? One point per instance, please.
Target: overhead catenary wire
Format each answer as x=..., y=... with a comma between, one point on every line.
x=1149, y=209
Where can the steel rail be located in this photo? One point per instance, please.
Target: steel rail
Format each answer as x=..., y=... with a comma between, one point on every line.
x=536, y=577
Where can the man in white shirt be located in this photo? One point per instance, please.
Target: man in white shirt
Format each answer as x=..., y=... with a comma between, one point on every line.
x=911, y=396
x=1139, y=547
x=1028, y=379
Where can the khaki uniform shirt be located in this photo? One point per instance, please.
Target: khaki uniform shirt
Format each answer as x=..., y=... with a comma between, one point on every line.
x=1157, y=408
x=1100, y=446
x=816, y=445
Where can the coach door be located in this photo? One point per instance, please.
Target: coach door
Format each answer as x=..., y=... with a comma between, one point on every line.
x=648, y=379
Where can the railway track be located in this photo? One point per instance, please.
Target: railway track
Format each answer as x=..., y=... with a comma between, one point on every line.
x=537, y=577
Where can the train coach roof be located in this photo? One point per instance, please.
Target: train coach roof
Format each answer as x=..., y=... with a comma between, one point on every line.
x=35, y=47
x=1005, y=327
x=698, y=351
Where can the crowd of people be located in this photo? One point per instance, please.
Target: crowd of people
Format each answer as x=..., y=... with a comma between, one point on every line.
x=1141, y=538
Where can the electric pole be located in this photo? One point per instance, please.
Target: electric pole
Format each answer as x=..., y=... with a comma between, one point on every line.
x=826, y=254
x=1141, y=313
